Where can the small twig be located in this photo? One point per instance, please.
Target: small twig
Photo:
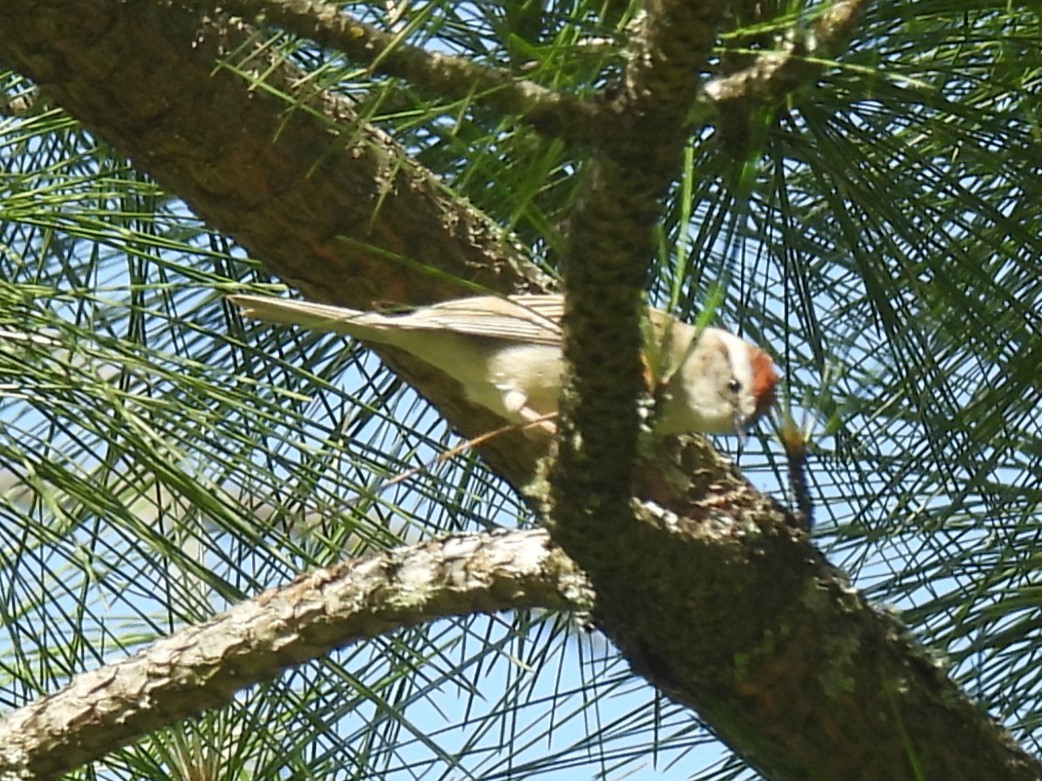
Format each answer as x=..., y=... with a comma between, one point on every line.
x=776, y=73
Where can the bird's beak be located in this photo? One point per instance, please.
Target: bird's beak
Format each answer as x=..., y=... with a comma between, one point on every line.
x=740, y=428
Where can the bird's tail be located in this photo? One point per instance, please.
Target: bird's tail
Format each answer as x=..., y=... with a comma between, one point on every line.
x=318, y=317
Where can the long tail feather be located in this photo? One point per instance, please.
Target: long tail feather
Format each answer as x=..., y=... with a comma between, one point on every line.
x=303, y=313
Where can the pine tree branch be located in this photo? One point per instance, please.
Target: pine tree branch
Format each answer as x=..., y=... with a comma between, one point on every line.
x=285, y=169
x=551, y=112
x=203, y=666
x=611, y=244
x=611, y=241
x=738, y=97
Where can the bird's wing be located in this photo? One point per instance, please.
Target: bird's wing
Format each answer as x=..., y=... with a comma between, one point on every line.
x=532, y=319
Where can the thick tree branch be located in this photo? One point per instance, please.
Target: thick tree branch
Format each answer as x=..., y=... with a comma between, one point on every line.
x=611, y=244
x=104, y=709
x=334, y=206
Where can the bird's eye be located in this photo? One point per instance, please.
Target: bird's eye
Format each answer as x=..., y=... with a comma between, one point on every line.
x=734, y=386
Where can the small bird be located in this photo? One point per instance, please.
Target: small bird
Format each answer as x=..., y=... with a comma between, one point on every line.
x=506, y=353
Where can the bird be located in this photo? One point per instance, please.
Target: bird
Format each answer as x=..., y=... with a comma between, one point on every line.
x=506, y=353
